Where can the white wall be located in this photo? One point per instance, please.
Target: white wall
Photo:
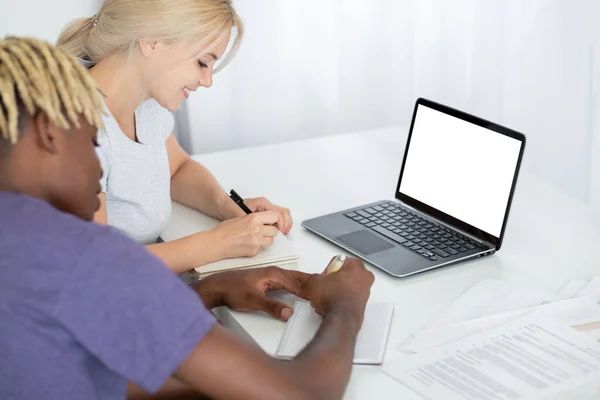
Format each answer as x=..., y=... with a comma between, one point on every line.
x=307, y=68
x=316, y=67
x=42, y=19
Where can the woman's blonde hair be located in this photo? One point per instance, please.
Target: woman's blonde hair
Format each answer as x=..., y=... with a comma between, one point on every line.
x=120, y=24
x=37, y=77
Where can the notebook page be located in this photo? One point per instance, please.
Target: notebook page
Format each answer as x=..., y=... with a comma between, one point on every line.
x=280, y=252
x=372, y=337
x=370, y=343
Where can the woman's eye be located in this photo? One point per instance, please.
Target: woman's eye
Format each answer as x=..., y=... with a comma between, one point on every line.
x=201, y=64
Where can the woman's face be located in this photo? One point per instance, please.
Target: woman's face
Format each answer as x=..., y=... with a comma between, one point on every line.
x=176, y=71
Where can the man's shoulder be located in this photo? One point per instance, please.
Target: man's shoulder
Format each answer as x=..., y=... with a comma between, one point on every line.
x=42, y=250
x=36, y=230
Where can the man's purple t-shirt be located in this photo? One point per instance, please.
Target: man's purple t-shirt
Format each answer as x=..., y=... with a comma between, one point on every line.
x=83, y=309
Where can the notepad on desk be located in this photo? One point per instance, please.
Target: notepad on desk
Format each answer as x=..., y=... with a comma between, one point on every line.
x=371, y=341
x=280, y=253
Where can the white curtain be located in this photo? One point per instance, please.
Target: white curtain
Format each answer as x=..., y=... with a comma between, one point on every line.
x=316, y=67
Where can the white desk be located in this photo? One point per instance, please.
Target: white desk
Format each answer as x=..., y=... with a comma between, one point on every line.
x=550, y=237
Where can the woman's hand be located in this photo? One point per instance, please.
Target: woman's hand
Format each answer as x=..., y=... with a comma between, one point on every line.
x=284, y=223
x=245, y=236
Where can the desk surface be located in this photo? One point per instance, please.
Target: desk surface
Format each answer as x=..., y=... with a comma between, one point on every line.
x=550, y=237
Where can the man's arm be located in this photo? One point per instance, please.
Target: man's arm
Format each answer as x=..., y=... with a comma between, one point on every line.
x=239, y=290
x=223, y=367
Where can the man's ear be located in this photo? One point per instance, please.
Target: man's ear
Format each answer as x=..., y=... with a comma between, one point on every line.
x=148, y=47
x=46, y=133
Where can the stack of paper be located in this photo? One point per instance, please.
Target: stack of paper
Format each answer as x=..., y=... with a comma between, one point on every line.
x=532, y=357
x=501, y=341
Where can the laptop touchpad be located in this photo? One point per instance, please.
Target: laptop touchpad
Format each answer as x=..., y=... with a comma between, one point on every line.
x=364, y=242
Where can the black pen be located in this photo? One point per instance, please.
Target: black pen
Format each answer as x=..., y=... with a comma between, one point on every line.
x=237, y=199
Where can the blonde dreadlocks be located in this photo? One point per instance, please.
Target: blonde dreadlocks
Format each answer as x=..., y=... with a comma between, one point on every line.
x=37, y=77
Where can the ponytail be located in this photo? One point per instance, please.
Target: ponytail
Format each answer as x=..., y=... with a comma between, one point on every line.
x=75, y=36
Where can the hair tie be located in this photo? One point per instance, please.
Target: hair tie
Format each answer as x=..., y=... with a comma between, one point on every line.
x=94, y=20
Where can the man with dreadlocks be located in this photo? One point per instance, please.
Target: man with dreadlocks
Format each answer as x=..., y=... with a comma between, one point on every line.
x=84, y=309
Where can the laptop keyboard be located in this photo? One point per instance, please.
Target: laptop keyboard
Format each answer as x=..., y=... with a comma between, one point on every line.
x=424, y=237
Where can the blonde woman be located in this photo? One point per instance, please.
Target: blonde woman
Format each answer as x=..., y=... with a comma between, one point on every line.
x=147, y=58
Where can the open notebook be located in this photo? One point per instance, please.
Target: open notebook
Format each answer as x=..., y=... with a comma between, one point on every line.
x=186, y=221
x=370, y=343
x=279, y=253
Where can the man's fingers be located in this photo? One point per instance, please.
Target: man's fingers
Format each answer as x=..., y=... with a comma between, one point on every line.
x=277, y=309
x=297, y=275
x=283, y=280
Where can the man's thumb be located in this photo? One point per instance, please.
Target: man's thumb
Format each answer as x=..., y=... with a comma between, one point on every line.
x=277, y=309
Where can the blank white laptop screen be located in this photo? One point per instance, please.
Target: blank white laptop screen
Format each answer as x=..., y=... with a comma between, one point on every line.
x=460, y=168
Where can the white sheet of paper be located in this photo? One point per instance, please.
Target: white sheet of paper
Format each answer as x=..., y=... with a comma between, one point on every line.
x=488, y=297
x=533, y=357
x=572, y=312
x=571, y=289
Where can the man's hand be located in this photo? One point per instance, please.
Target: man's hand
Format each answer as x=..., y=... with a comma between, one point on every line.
x=323, y=368
x=348, y=288
x=245, y=290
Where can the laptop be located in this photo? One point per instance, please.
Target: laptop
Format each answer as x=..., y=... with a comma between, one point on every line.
x=452, y=199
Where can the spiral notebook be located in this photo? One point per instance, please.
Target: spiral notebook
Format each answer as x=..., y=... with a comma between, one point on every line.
x=281, y=252
x=371, y=341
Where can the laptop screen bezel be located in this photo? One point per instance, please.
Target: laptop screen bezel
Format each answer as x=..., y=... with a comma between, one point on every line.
x=445, y=218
